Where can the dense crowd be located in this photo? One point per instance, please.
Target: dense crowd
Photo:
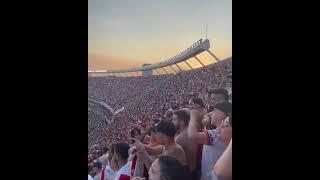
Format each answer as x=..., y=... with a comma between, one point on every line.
x=179, y=121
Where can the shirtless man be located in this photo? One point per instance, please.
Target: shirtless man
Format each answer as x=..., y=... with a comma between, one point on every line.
x=181, y=120
x=164, y=135
x=197, y=103
x=141, y=168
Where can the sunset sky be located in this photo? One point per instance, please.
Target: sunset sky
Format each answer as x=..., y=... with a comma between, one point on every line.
x=129, y=33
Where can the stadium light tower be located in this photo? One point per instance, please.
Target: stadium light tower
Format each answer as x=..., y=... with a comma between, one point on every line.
x=206, y=31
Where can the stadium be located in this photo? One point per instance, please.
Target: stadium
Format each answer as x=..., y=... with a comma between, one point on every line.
x=106, y=91
x=120, y=100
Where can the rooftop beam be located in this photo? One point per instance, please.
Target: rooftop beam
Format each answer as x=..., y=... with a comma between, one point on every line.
x=173, y=69
x=199, y=61
x=157, y=71
x=164, y=70
x=178, y=66
x=188, y=65
x=214, y=56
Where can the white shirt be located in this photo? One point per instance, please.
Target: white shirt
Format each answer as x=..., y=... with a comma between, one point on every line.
x=109, y=174
x=210, y=154
x=104, y=159
x=89, y=177
x=97, y=177
x=131, y=154
x=124, y=170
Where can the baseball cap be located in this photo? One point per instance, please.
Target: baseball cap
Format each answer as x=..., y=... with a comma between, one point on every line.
x=220, y=91
x=225, y=107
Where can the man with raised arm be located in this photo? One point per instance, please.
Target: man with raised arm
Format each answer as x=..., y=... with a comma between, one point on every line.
x=164, y=134
x=209, y=137
x=181, y=120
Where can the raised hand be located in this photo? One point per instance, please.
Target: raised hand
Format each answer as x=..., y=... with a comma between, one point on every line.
x=138, y=144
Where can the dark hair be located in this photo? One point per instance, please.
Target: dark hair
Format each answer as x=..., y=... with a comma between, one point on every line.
x=135, y=130
x=171, y=169
x=105, y=150
x=198, y=101
x=183, y=116
x=155, y=120
x=166, y=127
x=111, y=153
x=112, y=148
x=122, y=150
x=222, y=91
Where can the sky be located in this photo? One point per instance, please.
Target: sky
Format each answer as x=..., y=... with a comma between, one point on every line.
x=129, y=33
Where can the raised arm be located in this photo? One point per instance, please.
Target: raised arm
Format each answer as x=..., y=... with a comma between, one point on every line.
x=146, y=158
x=143, y=135
x=154, y=151
x=141, y=149
x=198, y=137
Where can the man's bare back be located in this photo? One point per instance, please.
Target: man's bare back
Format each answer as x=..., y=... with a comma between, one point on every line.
x=190, y=148
x=176, y=151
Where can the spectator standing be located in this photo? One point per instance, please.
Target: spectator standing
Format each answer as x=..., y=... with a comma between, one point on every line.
x=181, y=120
x=120, y=159
x=104, y=158
x=216, y=147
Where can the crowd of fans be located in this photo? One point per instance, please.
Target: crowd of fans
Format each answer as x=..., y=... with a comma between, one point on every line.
x=174, y=126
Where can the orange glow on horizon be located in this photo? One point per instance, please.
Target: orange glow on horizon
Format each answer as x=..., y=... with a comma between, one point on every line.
x=101, y=62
